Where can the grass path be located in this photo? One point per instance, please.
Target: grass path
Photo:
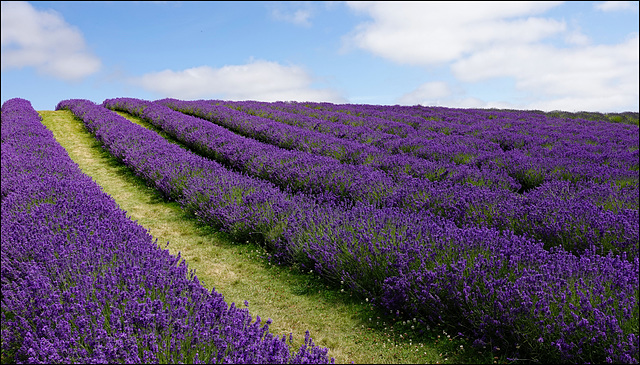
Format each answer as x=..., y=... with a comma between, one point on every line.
x=293, y=300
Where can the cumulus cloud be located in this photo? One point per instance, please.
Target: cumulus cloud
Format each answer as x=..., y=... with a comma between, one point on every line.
x=480, y=41
x=599, y=77
x=257, y=80
x=426, y=33
x=43, y=40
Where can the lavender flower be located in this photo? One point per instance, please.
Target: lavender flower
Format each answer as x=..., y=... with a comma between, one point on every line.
x=83, y=283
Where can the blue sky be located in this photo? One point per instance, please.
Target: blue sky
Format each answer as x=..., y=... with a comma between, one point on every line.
x=569, y=56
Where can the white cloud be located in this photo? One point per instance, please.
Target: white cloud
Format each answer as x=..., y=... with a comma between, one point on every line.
x=43, y=40
x=601, y=77
x=257, y=80
x=576, y=37
x=429, y=93
x=481, y=41
x=616, y=5
x=426, y=33
x=297, y=17
x=294, y=12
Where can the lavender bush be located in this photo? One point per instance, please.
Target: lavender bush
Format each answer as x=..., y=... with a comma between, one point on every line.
x=570, y=149
x=82, y=283
x=500, y=287
x=557, y=212
x=294, y=137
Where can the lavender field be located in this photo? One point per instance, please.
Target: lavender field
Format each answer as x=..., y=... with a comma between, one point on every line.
x=518, y=229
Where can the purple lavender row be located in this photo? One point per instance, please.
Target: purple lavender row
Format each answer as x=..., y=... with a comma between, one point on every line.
x=514, y=124
x=505, y=291
x=569, y=151
x=234, y=201
x=521, y=163
x=291, y=170
x=279, y=134
x=547, y=148
x=372, y=129
x=501, y=288
x=565, y=218
x=83, y=283
x=375, y=250
x=521, y=129
x=293, y=137
x=28, y=164
x=432, y=144
x=446, y=151
x=586, y=225
x=510, y=129
x=471, y=121
x=528, y=171
x=419, y=122
x=458, y=148
x=144, y=152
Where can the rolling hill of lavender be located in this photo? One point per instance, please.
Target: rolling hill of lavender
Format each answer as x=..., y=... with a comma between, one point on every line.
x=518, y=229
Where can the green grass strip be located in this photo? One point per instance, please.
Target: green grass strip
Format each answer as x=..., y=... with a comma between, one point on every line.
x=295, y=301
